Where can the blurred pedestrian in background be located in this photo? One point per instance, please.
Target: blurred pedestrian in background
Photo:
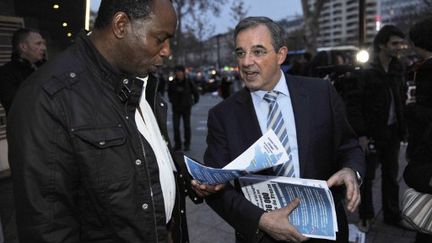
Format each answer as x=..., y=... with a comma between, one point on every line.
x=418, y=114
x=418, y=173
x=162, y=81
x=226, y=86
x=301, y=67
x=28, y=52
x=183, y=94
x=375, y=111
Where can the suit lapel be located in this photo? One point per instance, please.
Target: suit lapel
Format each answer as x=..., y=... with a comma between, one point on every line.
x=249, y=127
x=301, y=108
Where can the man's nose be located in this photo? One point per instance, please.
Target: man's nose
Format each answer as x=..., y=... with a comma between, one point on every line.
x=248, y=59
x=166, y=49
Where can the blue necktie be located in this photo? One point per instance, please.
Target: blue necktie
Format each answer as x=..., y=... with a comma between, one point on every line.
x=276, y=122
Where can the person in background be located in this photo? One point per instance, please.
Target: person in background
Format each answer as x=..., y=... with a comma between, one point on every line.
x=418, y=173
x=95, y=164
x=226, y=86
x=418, y=114
x=162, y=81
x=375, y=111
x=301, y=67
x=183, y=94
x=321, y=143
x=28, y=53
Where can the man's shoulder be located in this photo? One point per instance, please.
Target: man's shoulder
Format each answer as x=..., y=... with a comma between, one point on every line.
x=239, y=97
x=11, y=66
x=55, y=75
x=306, y=82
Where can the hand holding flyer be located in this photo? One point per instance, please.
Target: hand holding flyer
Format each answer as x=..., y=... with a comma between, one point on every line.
x=315, y=217
x=265, y=153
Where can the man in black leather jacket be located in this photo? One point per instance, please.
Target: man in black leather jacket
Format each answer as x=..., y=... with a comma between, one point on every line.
x=88, y=141
x=28, y=50
x=418, y=173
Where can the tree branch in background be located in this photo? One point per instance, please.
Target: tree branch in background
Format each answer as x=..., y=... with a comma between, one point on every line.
x=311, y=14
x=187, y=9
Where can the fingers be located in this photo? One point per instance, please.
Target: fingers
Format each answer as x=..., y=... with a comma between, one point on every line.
x=294, y=235
x=333, y=180
x=292, y=205
x=352, y=195
x=347, y=177
x=276, y=224
x=204, y=190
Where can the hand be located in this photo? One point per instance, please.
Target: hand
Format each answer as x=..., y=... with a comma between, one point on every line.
x=277, y=225
x=204, y=190
x=347, y=177
x=364, y=142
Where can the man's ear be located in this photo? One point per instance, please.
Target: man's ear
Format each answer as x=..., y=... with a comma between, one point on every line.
x=120, y=24
x=282, y=53
x=22, y=47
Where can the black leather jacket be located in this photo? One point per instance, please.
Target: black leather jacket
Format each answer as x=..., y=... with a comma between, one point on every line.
x=81, y=170
x=12, y=74
x=368, y=107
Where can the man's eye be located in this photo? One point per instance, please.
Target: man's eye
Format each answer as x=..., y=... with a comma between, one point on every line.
x=259, y=53
x=240, y=54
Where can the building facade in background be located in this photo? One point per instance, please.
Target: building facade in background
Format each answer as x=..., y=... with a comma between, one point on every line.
x=339, y=22
x=392, y=10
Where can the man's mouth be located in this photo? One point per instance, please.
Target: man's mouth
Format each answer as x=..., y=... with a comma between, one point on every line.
x=250, y=74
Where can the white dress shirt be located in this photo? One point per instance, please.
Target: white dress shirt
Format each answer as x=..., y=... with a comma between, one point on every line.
x=148, y=127
x=284, y=100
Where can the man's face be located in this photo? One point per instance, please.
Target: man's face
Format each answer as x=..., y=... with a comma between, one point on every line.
x=33, y=48
x=180, y=75
x=258, y=62
x=147, y=42
x=393, y=47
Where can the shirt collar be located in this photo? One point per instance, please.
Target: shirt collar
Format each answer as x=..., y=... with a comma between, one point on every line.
x=145, y=79
x=281, y=87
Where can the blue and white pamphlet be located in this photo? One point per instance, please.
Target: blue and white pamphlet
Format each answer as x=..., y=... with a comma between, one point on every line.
x=315, y=217
x=265, y=153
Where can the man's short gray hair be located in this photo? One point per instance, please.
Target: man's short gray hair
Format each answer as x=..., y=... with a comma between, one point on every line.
x=276, y=31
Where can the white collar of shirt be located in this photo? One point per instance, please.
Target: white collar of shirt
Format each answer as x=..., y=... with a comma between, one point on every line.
x=149, y=128
x=284, y=100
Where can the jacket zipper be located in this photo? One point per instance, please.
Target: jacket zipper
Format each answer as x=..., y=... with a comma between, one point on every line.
x=149, y=184
x=147, y=171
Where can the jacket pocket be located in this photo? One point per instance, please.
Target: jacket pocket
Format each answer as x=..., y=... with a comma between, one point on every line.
x=101, y=137
x=102, y=154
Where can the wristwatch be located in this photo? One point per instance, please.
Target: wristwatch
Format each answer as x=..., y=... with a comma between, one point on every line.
x=359, y=178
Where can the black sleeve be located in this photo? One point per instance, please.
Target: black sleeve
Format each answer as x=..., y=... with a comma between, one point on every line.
x=418, y=173
x=195, y=92
x=355, y=106
x=44, y=171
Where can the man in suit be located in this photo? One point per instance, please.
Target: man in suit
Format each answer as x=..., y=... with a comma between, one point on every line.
x=320, y=141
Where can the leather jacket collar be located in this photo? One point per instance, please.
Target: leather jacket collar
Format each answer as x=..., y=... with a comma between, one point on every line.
x=127, y=87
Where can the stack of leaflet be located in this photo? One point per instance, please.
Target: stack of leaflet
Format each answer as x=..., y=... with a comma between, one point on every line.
x=265, y=153
x=314, y=217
